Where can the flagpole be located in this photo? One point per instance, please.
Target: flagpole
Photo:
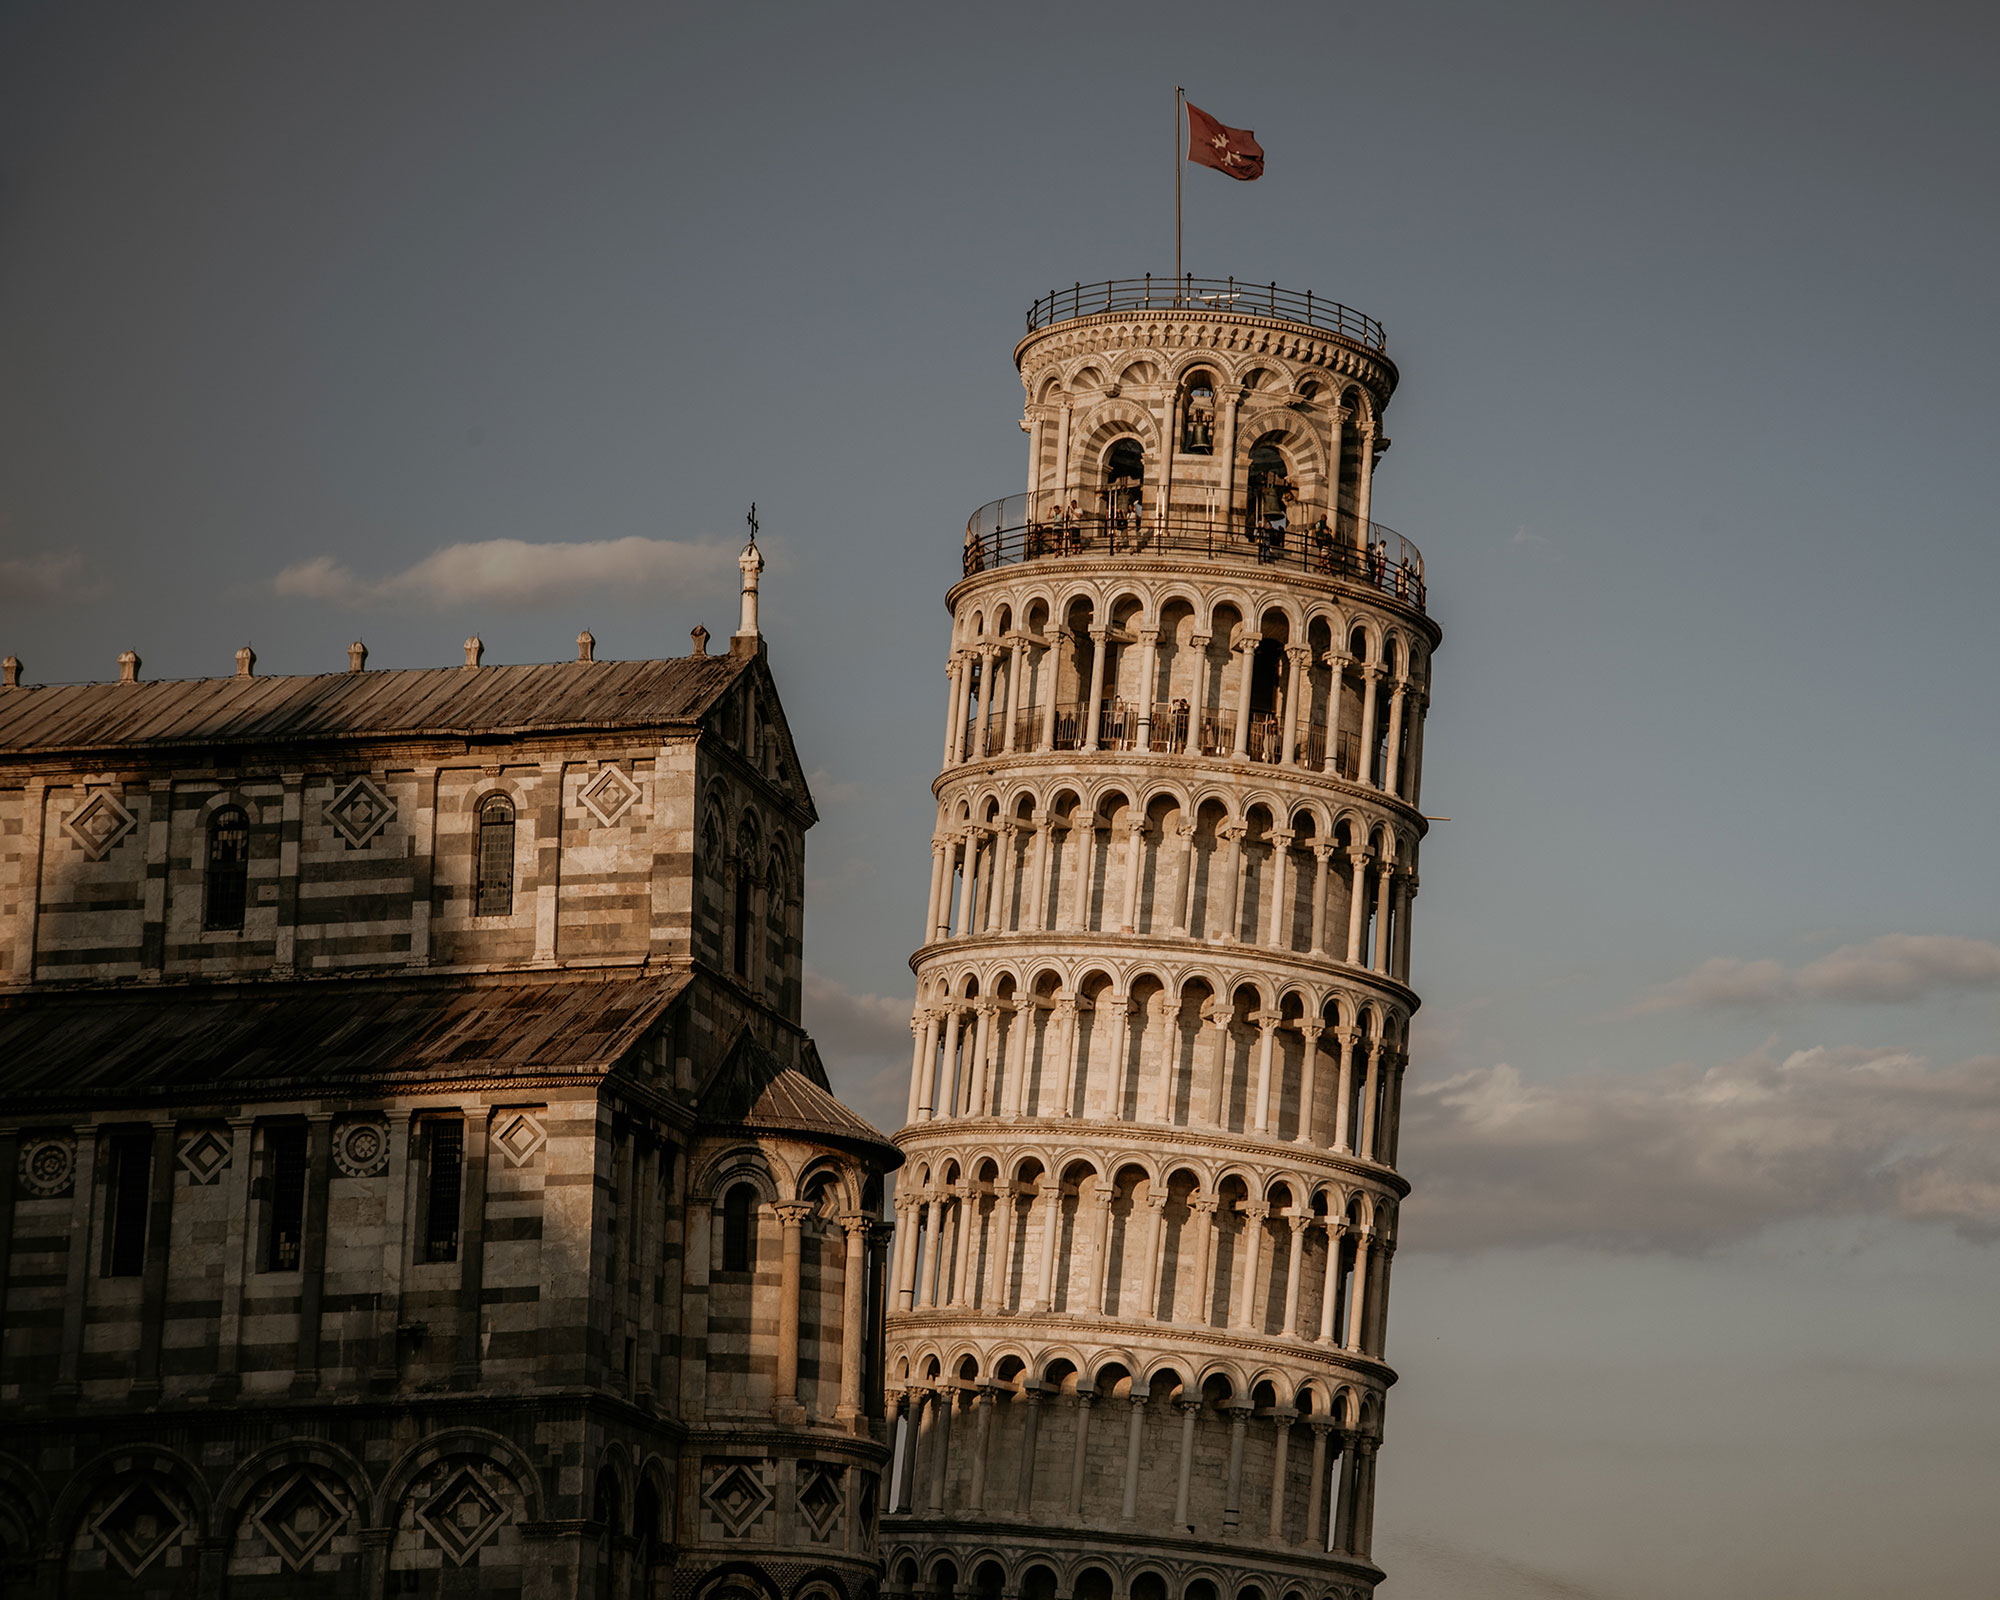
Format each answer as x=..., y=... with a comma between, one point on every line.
x=1178, y=91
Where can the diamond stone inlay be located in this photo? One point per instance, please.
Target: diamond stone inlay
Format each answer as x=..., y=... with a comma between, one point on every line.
x=138, y=1527
x=99, y=825
x=301, y=1519
x=360, y=811
x=519, y=1137
x=819, y=1498
x=609, y=795
x=738, y=1498
x=205, y=1154
x=462, y=1516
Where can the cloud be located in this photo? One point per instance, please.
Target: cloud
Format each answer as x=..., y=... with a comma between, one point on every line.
x=512, y=572
x=1889, y=969
x=865, y=1042
x=1684, y=1160
x=45, y=577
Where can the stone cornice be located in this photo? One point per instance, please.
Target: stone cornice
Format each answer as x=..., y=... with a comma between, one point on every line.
x=1205, y=328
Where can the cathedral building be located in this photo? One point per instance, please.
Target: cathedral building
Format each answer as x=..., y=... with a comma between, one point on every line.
x=1138, y=1333
x=414, y=1177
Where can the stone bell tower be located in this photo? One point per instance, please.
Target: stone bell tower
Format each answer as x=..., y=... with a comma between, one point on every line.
x=1136, y=1343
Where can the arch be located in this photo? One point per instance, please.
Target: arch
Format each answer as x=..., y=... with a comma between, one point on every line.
x=234, y=1495
x=482, y=1442
x=226, y=878
x=493, y=889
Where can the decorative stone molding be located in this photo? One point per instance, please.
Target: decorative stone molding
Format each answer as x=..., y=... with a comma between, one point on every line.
x=361, y=1147
x=48, y=1165
x=99, y=825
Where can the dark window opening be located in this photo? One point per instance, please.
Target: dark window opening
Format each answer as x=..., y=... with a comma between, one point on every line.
x=285, y=1165
x=495, y=897
x=1124, y=481
x=131, y=1178
x=444, y=1164
x=742, y=929
x=739, y=1229
x=1198, y=417
x=228, y=869
x=1272, y=491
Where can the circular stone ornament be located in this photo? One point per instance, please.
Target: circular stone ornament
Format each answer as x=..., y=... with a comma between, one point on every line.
x=361, y=1149
x=48, y=1165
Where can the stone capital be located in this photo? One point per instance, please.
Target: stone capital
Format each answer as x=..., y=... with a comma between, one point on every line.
x=793, y=1212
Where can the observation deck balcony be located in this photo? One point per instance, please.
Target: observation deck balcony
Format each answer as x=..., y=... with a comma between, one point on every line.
x=1066, y=524
x=1235, y=296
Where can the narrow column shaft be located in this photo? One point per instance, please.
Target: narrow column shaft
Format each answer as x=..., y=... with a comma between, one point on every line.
x=1135, y=1441
x=853, y=1313
x=923, y=1030
x=1298, y=689
x=1295, y=1222
x=968, y=1227
x=1190, y=1411
x=1232, y=1499
x=944, y=1403
x=1024, y=1490
x=1121, y=1015
x=1013, y=707
x=939, y=876
x=1322, y=859
x=1343, y=1134
x=1315, y=1538
x=1385, y=876
x=1358, y=1297
x=1217, y=1016
x=1278, y=935
x=1156, y=1255
x=1047, y=738
x=1204, y=1222
x=1357, y=906
x=1035, y=911
x=1336, y=662
x=1364, y=1496
x=1166, y=1028
x=974, y=1097
x=1399, y=966
x=969, y=843
x=950, y=711
x=1015, y=1057
x=1329, y=1304
x=982, y=1439
x=1366, y=1144
x=979, y=736
x=1392, y=766
x=1084, y=1397
x=1183, y=879
x=1051, y=1195
x=1267, y=1031
x=1247, y=649
x=1364, y=511
x=1100, y=639
x=1149, y=655
x=1198, y=709
x=1000, y=1264
x=1100, y=1246
x=907, y=1224
x=1068, y=1013
x=1135, y=862
x=1282, y=1418
x=947, y=1096
x=1370, y=677
x=1001, y=916
x=1252, y=1238
x=1234, y=873
x=1343, y=1505
x=786, y=1381
x=1308, y=1081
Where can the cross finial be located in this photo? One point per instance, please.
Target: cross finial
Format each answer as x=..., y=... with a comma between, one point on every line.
x=752, y=520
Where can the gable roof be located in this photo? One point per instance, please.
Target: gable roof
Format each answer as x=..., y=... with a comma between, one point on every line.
x=754, y=1088
x=323, y=1036
x=447, y=702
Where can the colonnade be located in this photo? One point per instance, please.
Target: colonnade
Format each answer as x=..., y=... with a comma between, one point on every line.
x=940, y=1232
x=1340, y=1478
x=982, y=860
x=982, y=1070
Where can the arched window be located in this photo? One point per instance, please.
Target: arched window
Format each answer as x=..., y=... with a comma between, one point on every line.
x=1124, y=479
x=1198, y=416
x=495, y=897
x=739, y=1229
x=746, y=886
x=1271, y=487
x=228, y=869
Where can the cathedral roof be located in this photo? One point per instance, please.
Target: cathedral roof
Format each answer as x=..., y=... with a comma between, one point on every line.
x=417, y=702
x=321, y=1037
x=754, y=1088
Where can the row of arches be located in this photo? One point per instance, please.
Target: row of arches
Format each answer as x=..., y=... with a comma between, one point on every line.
x=1163, y=860
x=987, y=1573
x=1187, y=670
x=1164, y=1241
x=1080, y=1041
x=1169, y=1448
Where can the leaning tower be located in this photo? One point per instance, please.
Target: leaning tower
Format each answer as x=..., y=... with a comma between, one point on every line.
x=1137, y=1341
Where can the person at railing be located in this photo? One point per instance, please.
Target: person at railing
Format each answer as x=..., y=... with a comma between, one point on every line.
x=1378, y=562
x=1321, y=534
x=975, y=553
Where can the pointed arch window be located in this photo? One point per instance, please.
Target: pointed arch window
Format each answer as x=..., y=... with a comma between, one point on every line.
x=495, y=892
x=228, y=887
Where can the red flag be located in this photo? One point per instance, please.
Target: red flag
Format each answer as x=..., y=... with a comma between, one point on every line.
x=1231, y=150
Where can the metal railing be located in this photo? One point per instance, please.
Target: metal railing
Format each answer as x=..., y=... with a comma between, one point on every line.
x=1051, y=524
x=1237, y=295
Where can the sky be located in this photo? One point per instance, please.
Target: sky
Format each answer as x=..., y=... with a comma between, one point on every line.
x=409, y=323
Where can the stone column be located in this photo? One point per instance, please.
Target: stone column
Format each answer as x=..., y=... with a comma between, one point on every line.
x=1051, y=1194
x=785, y=1405
x=1084, y=1397
x=944, y=1401
x=904, y=1406
x=1014, y=1074
x=1254, y=1213
x=951, y=711
x=1135, y=1441
x=1267, y=1031
x=1316, y=1530
x=1229, y=404
x=1399, y=966
x=1121, y=1015
x=1366, y=1145
x=1100, y=1244
x=1330, y=1298
x=1339, y=416
x=1343, y=1503
x=1357, y=906
x=1047, y=739
x=1038, y=886
x=1343, y=1134
x=1234, y=872
x=1198, y=705
x=940, y=875
x=1322, y=859
x=1149, y=656
x=1416, y=754
x=1393, y=1107
x=1378, y=1322
x=906, y=1251
x=1337, y=661
x=1024, y=1493
x=1100, y=638
x=1190, y=1410
x=1156, y=1253
x=854, y=1319
x=1246, y=647
x=986, y=655
x=1006, y=1209
x=1310, y=1031
x=1205, y=1207
x=1165, y=1011
x=968, y=1218
x=947, y=1098
x=923, y=1038
x=1010, y=709
x=1282, y=1418
x=1217, y=1014
x=1364, y=1509
x=1385, y=876
x=1135, y=863
x=1392, y=765
x=1296, y=1221
x=1371, y=674
x=1357, y=1300
x=1232, y=1502
x=974, y=1097
x=1278, y=934
x=1364, y=491
x=923, y=1280
x=999, y=912
x=982, y=1439
x=1067, y=1011
x=1298, y=687
x=1183, y=879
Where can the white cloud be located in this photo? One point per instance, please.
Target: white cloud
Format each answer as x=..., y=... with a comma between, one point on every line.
x=1685, y=1160
x=41, y=578
x=865, y=1041
x=512, y=572
x=1888, y=969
